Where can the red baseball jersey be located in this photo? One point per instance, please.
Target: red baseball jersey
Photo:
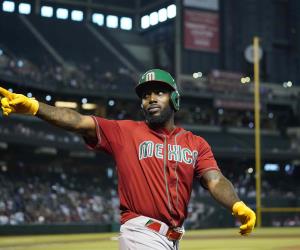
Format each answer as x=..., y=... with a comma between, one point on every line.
x=155, y=167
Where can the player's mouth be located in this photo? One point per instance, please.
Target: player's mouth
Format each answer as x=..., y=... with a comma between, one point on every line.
x=153, y=109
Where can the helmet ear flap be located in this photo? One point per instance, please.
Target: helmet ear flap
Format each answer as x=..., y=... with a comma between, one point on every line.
x=175, y=99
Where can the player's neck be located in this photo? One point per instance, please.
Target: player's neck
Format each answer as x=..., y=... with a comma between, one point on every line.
x=168, y=125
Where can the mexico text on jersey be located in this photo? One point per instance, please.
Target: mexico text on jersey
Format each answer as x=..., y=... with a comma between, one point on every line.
x=175, y=152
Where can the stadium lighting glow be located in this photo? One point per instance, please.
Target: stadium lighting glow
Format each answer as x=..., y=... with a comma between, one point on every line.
x=84, y=100
x=62, y=104
x=197, y=75
x=145, y=22
x=287, y=84
x=171, y=11
x=111, y=103
x=98, y=18
x=271, y=115
x=3, y=168
x=288, y=168
x=29, y=94
x=271, y=167
x=20, y=63
x=62, y=13
x=112, y=21
x=154, y=18
x=77, y=15
x=48, y=98
x=46, y=11
x=89, y=106
x=110, y=172
x=8, y=6
x=24, y=8
x=41, y=219
x=126, y=23
x=245, y=79
x=162, y=15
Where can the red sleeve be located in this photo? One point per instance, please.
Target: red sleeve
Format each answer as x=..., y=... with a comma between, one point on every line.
x=108, y=135
x=206, y=160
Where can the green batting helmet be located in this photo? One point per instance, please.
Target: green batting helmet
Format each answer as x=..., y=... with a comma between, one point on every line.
x=160, y=76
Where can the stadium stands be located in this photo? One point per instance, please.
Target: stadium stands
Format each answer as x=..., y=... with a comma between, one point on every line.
x=21, y=42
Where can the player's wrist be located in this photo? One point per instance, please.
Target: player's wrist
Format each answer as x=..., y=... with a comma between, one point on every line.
x=236, y=206
x=34, y=107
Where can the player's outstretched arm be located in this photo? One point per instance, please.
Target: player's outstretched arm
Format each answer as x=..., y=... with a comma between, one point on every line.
x=67, y=119
x=61, y=117
x=222, y=190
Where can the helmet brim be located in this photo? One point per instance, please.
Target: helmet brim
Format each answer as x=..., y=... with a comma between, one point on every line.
x=139, y=89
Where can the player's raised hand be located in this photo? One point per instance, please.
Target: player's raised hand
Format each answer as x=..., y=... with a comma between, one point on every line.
x=246, y=216
x=17, y=103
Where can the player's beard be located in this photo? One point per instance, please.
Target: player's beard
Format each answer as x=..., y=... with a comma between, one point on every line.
x=156, y=121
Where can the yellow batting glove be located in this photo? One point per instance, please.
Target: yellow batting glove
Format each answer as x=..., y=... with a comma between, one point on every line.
x=246, y=216
x=17, y=103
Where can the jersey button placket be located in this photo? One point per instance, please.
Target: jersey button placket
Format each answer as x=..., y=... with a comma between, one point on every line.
x=166, y=173
x=172, y=181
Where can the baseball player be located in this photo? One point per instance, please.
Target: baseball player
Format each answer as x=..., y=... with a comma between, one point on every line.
x=156, y=162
